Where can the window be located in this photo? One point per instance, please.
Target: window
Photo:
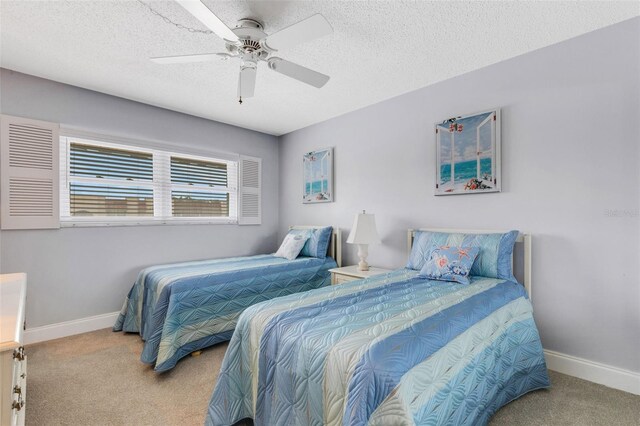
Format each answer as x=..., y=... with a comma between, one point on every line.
x=199, y=188
x=106, y=183
x=109, y=181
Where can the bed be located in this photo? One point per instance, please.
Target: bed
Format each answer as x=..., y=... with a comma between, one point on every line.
x=393, y=349
x=181, y=308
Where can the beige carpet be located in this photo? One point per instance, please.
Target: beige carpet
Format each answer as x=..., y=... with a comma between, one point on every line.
x=97, y=379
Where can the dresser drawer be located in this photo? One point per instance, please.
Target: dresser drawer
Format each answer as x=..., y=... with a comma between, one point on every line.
x=19, y=364
x=13, y=362
x=19, y=388
x=21, y=399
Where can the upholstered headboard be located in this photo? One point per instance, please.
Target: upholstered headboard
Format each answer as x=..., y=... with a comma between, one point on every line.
x=335, y=247
x=523, y=238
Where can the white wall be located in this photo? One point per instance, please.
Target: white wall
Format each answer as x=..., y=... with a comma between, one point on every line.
x=570, y=148
x=81, y=272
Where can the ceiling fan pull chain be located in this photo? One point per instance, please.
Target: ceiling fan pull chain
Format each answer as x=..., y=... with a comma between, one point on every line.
x=169, y=21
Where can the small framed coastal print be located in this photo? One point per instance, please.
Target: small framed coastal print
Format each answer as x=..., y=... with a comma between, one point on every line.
x=468, y=154
x=317, y=172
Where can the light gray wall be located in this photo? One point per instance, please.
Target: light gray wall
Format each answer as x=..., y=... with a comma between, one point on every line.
x=76, y=273
x=570, y=160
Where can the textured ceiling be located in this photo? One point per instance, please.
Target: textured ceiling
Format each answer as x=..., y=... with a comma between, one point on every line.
x=378, y=50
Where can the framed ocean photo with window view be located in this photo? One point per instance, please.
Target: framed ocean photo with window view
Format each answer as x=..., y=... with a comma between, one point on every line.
x=468, y=154
x=317, y=172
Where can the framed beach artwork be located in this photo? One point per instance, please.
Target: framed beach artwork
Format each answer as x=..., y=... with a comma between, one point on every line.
x=317, y=172
x=468, y=154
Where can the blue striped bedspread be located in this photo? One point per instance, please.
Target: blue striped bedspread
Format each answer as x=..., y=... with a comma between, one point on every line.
x=180, y=308
x=393, y=349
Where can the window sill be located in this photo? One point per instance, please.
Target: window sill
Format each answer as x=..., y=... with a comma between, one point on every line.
x=74, y=223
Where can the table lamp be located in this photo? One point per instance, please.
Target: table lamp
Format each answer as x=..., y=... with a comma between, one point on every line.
x=363, y=233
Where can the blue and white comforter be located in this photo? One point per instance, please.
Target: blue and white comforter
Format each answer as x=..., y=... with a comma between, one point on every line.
x=394, y=349
x=183, y=307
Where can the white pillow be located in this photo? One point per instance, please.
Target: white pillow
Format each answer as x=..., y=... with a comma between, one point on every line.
x=292, y=245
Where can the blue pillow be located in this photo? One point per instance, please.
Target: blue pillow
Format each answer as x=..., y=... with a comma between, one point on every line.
x=423, y=243
x=493, y=261
x=448, y=263
x=318, y=243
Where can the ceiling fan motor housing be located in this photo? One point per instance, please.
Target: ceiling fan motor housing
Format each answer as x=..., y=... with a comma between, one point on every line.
x=250, y=32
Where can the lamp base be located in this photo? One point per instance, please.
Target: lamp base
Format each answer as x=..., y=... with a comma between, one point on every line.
x=363, y=252
x=363, y=266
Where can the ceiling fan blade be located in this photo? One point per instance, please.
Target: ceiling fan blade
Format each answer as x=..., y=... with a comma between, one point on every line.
x=306, y=30
x=246, y=82
x=298, y=72
x=183, y=59
x=208, y=18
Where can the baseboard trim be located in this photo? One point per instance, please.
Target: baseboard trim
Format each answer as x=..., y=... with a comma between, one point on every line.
x=596, y=372
x=69, y=328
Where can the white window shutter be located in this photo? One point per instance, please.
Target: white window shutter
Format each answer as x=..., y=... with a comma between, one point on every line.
x=29, y=176
x=250, y=191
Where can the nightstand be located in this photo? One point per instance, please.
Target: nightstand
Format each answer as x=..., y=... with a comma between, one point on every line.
x=351, y=273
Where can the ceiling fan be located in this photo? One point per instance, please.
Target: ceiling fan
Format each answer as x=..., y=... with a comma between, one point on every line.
x=249, y=43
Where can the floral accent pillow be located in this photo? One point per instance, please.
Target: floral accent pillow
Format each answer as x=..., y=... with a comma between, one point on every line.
x=292, y=245
x=448, y=263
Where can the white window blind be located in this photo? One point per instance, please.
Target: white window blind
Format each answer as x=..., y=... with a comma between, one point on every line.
x=199, y=188
x=107, y=181
x=111, y=183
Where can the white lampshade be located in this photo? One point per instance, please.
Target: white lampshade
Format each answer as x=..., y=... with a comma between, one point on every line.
x=364, y=230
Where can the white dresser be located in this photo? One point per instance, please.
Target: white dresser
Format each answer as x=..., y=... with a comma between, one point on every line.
x=13, y=361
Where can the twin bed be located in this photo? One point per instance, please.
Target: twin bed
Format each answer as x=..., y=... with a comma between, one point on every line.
x=184, y=307
x=393, y=349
